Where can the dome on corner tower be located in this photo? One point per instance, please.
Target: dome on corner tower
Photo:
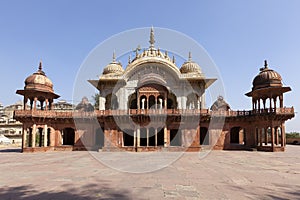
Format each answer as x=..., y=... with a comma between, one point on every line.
x=267, y=78
x=190, y=66
x=114, y=67
x=39, y=81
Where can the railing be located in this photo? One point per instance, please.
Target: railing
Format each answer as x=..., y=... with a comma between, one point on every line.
x=131, y=112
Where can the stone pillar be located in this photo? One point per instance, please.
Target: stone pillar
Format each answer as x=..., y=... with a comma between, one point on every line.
x=52, y=138
x=272, y=136
x=283, y=142
x=101, y=103
x=147, y=135
x=276, y=136
x=25, y=102
x=160, y=103
x=134, y=139
x=138, y=137
x=156, y=137
x=270, y=104
x=266, y=135
x=281, y=101
x=143, y=103
x=274, y=99
x=260, y=137
x=166, y=106
x=33, y=135
x=46, y=104
x=45, y=135
x=166, y=137
x=34, y=103
x=24, y=137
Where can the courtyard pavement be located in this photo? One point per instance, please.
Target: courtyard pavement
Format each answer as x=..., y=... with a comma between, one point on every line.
x=219, y=175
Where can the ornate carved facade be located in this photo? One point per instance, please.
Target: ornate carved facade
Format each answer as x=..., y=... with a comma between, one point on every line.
x=154, y=105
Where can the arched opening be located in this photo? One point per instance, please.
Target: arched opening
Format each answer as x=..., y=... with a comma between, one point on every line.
x=192, y=101
x=68, y=135
x=128, y=137
x=175, y=137
x=171, y=101
x=152, y=102
x=99, y=138
x=160, y=136
x=111, y=102
x=237, y=135
x=48, y=136
x=143, y=102
x=160, y=102
x=39, y=137
x=132, y=101
x=151, y=136
x=29, y=138
x=204, y=136
x=143, y=137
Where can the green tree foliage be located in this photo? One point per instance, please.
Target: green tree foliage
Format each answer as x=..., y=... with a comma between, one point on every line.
x=96, y=101
x=293, y=135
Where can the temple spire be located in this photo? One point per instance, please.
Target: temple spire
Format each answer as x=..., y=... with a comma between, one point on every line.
x=152, y=40
x=40, y=65
x=114, y=56
x=266, y=64
x=190, y=56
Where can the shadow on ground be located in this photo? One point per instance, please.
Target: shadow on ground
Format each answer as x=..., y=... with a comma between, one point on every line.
x=10, y=150
x=87, y=192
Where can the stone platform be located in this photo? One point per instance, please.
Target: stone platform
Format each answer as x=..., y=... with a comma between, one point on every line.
x=219, y=175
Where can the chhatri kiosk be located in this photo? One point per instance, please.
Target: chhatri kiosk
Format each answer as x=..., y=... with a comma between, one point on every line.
x=154, y=105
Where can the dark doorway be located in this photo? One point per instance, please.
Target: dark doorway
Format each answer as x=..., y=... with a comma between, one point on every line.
x=68, y=136
x=235, y=135
x=160, y=137
x=128, y=137
x=151, y=136
x=204, y=136
x=175, y=137
x=143, y=137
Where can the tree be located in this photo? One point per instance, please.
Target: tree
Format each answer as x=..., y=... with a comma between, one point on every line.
x=96, y=101
x=293, y=135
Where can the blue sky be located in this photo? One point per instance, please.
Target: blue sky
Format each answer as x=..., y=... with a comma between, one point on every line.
x=238, y=35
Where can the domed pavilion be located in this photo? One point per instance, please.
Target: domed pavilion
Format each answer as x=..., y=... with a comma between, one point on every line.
x=152, y=103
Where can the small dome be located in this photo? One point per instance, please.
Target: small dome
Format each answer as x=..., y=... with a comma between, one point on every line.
x=190, y=66
x=267, y=78
x=39, y=81
x=113, y=67
x=220, y=104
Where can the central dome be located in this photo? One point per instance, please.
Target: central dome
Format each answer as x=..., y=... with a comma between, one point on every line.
x=267, y=78
x=39, y=81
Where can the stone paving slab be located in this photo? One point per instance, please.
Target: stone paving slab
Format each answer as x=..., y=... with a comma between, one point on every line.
x=220, y=175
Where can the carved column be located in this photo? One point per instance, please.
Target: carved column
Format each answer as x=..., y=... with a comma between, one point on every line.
x=276, y=136
x=156, y=137
x=266, y=135
x=272, y=137
x=138, y=137
x=24, y=137
x=34, y=103
x=45, y=135
x=33, y=135
x=147, y=135
x=281, y=101
x=260, y=137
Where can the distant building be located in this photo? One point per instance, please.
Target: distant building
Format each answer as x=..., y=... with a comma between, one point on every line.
x=154, y=105
x=9, y=127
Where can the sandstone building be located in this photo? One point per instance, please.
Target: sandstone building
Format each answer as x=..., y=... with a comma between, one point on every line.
x=154, y=105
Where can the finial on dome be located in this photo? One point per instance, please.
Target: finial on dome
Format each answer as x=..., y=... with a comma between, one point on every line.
x=190, y=56
x=114, y=56
x=129, y=59
x=166, y=54
x=266, y=64
x=152, y=40
x=173, y=59
x=40, y=66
